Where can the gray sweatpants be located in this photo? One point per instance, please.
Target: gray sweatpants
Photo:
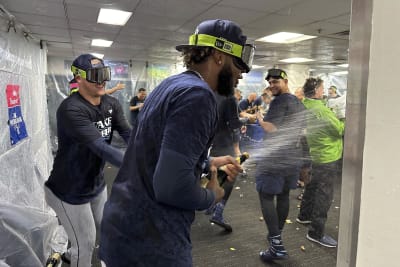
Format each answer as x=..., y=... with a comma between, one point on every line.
x=81, y=222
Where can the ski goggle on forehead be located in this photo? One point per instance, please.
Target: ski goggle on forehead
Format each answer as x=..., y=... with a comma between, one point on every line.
x=276, y=73
x=93, y=75
x=245, y=63
x=243, y=55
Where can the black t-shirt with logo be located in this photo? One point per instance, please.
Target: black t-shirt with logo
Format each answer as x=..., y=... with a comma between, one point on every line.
x=134, y=113
x=77, y=174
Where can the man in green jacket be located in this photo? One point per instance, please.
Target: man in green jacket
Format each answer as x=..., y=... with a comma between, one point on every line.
x=325, y=140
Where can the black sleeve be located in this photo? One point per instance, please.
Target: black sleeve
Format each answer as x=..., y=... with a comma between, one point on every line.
x=133, y=101
x=106, y=151
x=120, y=123
x=232, y=114
x=76, y=123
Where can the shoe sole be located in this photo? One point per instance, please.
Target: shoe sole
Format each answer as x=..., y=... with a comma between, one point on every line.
x=267, y=259
x=227, y=228
x=302, y=222
x=319, y=242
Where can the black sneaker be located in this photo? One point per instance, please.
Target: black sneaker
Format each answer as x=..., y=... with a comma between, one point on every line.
x=271, y=255
x=222, y=223
x=325, y=241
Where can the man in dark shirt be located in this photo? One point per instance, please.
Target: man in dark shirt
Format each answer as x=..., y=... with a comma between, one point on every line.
x=226, y=142
x=280, y=160
x=153, y=200
x=76, y=189
x=136, y=104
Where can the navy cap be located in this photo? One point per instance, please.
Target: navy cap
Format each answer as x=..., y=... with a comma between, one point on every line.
x=84, y=62
x=222, y=30
x=276, y=74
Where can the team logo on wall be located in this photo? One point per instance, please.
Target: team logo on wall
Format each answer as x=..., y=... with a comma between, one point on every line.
x=15, y=120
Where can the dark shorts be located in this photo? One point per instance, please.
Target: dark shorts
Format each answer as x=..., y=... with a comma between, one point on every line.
x=273, y=183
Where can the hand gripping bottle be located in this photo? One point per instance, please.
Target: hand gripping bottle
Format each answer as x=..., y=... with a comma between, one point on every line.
x=222, y=176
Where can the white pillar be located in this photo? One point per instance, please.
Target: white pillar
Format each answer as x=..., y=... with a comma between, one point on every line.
x=369, y=218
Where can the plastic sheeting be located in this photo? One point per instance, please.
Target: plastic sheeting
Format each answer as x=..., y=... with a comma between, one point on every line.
x=134, y=74
x=338, y=106
x=26, y=223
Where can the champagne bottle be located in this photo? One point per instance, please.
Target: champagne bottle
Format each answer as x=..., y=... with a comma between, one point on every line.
x=53, y=260
x=221, y=174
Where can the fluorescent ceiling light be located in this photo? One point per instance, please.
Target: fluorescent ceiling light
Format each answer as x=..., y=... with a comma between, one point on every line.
x=98, y=55
x=101, y=42
x=296, y=60
x=113, y=16
x=338, y=73
x=257, y=66
x=343, y=65
x=285, y=38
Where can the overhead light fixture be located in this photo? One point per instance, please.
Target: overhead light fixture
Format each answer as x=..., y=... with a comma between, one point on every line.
x=257, y=66
x=296, y=60
x=285, y=38
x=98, y=55
x=339, y=73
x=101, y=42
x=113, y=16
x=343, y=65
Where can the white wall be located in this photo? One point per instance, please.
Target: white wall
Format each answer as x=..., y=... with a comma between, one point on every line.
x=379, y=235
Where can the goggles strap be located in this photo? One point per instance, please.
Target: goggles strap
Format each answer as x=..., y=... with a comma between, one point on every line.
x=218, y=43
x=77, y=71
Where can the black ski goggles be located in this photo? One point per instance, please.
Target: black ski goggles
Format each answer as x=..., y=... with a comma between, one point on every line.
x=276, y=74
x=94, y=75
x=246, y=61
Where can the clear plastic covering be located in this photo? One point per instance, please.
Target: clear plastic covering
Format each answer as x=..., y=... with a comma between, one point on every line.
x=133, y=74
x=26, y=223
x=338, y=106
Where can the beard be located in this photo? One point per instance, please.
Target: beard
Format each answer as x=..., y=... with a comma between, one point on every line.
x=276, y=92
x=225, y=85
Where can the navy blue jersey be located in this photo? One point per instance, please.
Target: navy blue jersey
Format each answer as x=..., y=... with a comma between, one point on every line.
x=245, y=104
x=146, y=221
x=77, y=174
x=282, y=153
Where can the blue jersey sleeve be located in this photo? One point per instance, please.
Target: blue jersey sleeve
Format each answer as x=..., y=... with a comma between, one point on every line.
x=190, y=126
x=175, y=185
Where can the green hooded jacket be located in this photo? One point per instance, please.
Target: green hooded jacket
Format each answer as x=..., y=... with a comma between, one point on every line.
x=324, y=132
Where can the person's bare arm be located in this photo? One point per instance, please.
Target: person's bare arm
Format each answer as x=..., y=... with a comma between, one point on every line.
x=118, y=87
